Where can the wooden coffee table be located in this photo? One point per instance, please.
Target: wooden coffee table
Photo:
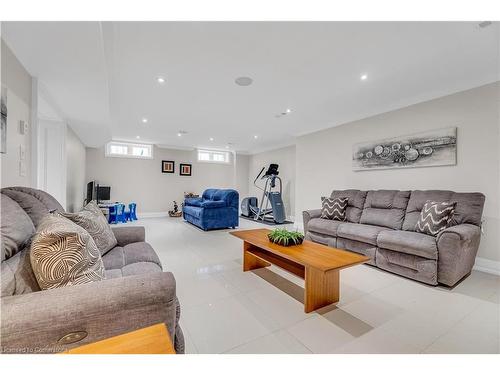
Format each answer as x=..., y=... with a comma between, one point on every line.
x=317, y=264
x=150, y=340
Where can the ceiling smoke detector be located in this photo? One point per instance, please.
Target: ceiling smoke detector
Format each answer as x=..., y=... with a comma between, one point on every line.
x=243, y=81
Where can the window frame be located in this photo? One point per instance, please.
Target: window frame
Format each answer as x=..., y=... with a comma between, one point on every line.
x=129, y=153
x=227, y=154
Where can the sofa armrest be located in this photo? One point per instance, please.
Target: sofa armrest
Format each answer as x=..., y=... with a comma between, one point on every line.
x=35, y=322
x=464, y=232
x=457, y=249
x=213, y=204
x=126, y=235
x=308, y=215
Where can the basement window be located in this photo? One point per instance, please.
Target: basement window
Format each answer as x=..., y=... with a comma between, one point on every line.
x=213, y=156
x=129, y=150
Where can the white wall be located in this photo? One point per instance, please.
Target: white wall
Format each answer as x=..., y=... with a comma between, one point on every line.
x=241, y=171
x=324, y=158
x=141, y=180
x=75, y=171
x=18, y=83
x=285, y=157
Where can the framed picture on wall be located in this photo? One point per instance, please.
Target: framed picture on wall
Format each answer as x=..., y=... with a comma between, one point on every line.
x=167, y=166
x=185, y=170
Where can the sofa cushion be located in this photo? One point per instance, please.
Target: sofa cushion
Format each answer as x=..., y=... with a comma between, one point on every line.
x=435, y=217
x=355, y=203
x=63, y=254
x=468, y=210
x=324, y=226
x=333, y=209
x=16, y=227
x=17, y=276
x=385, y=208
x=406, y=242
x=140, y=268
x=360, y=232
x=136, y=252
x=192, y=211
x=95, y=223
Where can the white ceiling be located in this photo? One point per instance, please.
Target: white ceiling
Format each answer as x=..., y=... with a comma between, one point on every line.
x=102, y=75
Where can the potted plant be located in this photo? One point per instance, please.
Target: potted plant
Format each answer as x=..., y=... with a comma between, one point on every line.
x=285, y=237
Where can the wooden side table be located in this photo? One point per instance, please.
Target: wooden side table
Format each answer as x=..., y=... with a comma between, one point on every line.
x=150, y=340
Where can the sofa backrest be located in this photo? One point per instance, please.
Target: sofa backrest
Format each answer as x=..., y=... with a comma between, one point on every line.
x=230, y=196
x=385, y=208
x=21, y=211
x=469, y=208
x=209, y=193
x=355, y=203
x=36, y=203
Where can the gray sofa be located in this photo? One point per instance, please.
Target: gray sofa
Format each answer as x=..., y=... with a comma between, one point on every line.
x=381, y=223
x=135, y=294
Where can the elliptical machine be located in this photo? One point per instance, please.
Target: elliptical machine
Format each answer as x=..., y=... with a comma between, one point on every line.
x=271, y=207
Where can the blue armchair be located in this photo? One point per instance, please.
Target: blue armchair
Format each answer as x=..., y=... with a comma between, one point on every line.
x=216, y=209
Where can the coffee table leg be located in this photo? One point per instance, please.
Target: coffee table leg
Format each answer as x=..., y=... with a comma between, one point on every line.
x=250, y=261
x=321, y=288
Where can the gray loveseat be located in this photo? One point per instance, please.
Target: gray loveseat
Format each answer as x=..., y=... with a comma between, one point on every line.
x=381, y=224
x=135, y=294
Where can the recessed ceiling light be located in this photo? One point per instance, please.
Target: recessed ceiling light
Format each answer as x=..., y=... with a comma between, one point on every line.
x=227, y=146
x=138, y=137
x=160, y=80
x=288, y=110
x=181, y=133
x=364, y=77
x=243, y=81
x=144, y=120
x=211, y=139
x=255, y=136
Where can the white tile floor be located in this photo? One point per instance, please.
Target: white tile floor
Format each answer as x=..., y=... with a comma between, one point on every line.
x=227, y=311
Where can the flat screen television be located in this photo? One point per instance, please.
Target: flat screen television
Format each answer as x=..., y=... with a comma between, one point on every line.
x=90, y=191
x=103, y=193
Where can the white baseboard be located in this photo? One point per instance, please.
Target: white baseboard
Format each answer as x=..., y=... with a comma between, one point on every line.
x=488, y=266
x=149, y=215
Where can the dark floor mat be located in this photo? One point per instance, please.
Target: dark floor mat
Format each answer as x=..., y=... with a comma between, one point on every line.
x=272, y=223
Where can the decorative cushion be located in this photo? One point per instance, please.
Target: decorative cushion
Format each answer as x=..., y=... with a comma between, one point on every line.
x=94, y=222
x=354, y=205
x=435, y=217
x=334, y=209
x=64, y=254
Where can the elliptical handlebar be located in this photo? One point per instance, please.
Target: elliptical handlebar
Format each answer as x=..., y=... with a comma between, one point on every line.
x=256, y=178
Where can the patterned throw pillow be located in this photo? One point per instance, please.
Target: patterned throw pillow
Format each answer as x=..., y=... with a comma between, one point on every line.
x=63, y=254
x=333, y=209
x=435, y=217
x=93, y=221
